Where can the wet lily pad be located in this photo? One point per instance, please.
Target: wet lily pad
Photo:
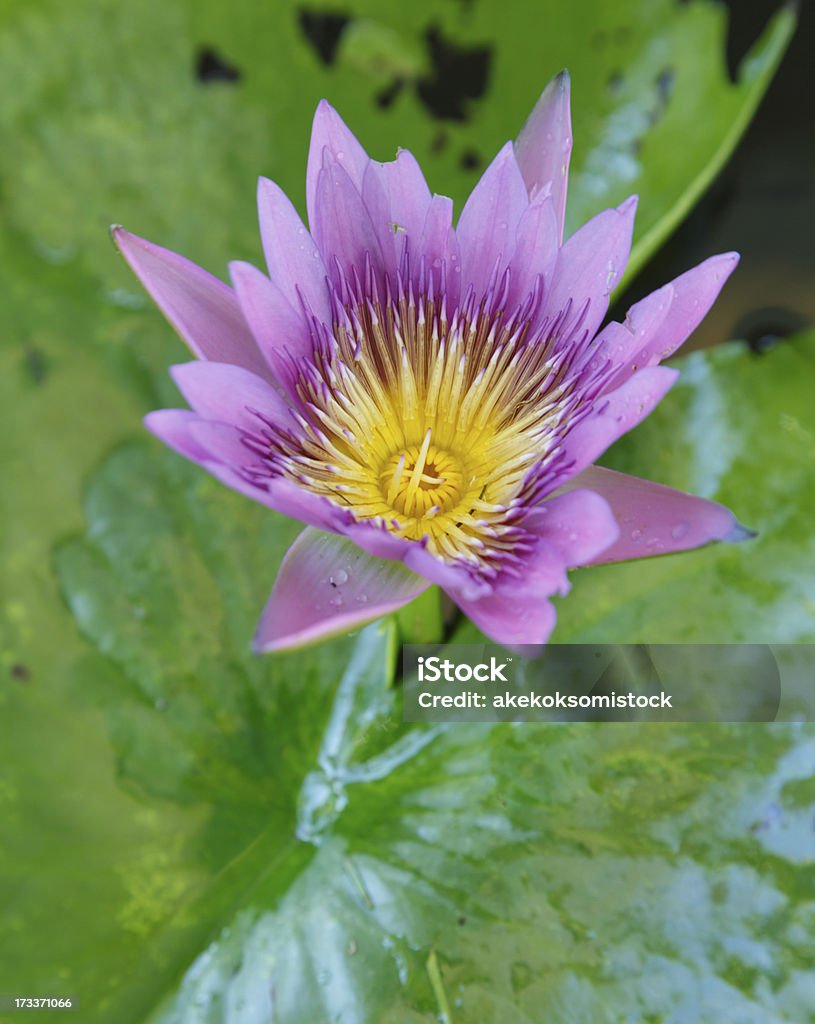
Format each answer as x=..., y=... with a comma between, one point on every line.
x=190, y=833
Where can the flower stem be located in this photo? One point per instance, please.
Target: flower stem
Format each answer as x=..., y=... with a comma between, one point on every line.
x=421, y=621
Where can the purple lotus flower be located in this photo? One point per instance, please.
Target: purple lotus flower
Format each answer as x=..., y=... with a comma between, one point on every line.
x=430, y=400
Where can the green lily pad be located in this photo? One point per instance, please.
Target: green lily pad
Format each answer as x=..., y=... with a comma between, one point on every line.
x=192, y=834
x=119, y=113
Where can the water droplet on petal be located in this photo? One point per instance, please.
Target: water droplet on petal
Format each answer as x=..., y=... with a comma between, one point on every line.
x=341, y=577
x=636, y=534
x=362, y=598
x=679, y=531
x=336, y=602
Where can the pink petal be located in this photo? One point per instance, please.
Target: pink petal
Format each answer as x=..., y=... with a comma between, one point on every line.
x=579, y=524
x=202, y=309
x=279, y=495
x=280, y=331
x=655, y=327
x=620, y=343
x=570, y=528
x=545, y=144
x=590, y=264
x=218, y=449
x=326, y=586
x=172, y=426
x=297, y=503
x=536, y=249
x=439, y=245
x=218, y=391
x=330, y=133
x=407, y=195
x=438, y=237
x=291, y=255
x=488, y=224
x=224, y=443
x=342, y=226
x=511, y=621
x=694, y=292
x=206, y=444
x=456, y=579
x=654, y=519
x=228, y=459
x=377, y=540
x=616, y=414
x=376, y=201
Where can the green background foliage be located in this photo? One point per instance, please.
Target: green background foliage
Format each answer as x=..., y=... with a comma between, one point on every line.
x=191, y=834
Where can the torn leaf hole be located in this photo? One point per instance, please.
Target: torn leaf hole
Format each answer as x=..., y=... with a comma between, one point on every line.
x=470, y=160
x=386, y=97
x=211, y=66
x=322, y=30
x=458, y=75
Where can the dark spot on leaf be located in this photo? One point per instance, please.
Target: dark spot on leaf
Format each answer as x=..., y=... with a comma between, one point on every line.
x=211, y=66
x=598, y=39
x=439, y=142
x=763, y=329
x=386, y=97
x=20, y=672
x=470, y=160
x=458, y=75
x=35, y=364
x=616, y=80
x=622, y=34
x=664, y=85
x=322, y=30
x=462, y=920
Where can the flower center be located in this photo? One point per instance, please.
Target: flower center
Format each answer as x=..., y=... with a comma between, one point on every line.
x=422, y=481
x=438, y=430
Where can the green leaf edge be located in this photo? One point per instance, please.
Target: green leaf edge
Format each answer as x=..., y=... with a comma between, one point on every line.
x=773, y=42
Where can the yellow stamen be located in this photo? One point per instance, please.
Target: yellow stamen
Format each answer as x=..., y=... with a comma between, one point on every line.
x=427, y=429
x=397, y=476
x=416, y=475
